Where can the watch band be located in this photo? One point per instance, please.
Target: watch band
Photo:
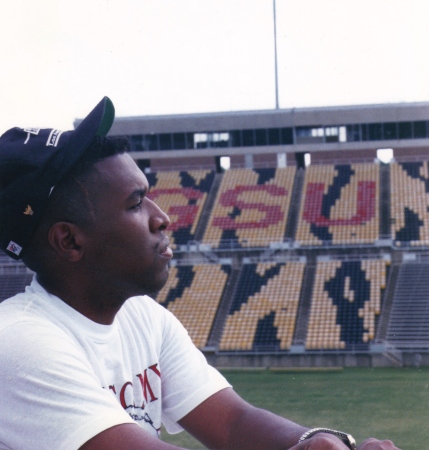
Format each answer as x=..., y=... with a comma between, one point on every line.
x=345, y=437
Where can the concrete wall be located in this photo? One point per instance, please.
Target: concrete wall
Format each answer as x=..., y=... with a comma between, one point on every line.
x=315, y=360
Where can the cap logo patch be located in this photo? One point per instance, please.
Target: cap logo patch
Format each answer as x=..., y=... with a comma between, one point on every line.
x=31, y=131
x=13, y=247
x=54, y=137
x=28, y=211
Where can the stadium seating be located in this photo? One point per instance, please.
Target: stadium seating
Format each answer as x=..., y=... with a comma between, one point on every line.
x=251, y=208
x=193, y=294
x=409, y=194
x=263, y=310
x=340, y=205
x=346, y=302
x=244, y=306
x=182, y=196
x=11, y=284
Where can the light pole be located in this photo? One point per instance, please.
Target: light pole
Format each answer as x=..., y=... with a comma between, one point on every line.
x=275, y=55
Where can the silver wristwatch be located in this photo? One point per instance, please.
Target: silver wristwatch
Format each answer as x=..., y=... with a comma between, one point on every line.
x=345, y=437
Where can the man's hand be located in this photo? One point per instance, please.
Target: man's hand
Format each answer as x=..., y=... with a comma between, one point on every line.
x=375, y=444
x=325, y=441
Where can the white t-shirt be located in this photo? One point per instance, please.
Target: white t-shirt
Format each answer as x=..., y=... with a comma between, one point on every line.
x=65, y=378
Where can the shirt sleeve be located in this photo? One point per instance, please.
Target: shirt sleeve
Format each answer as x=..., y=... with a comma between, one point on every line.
x=46, y=380
x=187, y=378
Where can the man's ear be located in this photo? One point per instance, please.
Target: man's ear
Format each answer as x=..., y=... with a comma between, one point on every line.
x=66, y=239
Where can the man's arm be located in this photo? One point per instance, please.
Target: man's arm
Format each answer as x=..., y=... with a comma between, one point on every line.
x=225, y=421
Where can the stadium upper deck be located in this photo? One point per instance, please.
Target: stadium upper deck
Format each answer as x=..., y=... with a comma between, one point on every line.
x=258, y=138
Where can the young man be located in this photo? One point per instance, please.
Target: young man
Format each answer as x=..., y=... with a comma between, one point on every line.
x=87, y=359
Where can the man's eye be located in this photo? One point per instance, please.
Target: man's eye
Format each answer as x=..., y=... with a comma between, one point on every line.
x=137, y=206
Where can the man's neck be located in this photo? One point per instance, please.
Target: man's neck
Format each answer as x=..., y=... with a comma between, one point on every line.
x=100, y=306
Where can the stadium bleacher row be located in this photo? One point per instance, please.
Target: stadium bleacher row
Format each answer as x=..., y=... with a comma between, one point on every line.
x=247, y=293
x=409, y=203
x=251, y=207
x=263, y=310
x=346, y=302
x=339, y=204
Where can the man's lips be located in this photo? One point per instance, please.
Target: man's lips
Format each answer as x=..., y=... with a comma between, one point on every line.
x=166, y=251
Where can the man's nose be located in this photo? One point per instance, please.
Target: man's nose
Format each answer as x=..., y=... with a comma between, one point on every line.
x=159, y=220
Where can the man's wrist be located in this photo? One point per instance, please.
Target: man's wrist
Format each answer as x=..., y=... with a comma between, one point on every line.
x=345, y=437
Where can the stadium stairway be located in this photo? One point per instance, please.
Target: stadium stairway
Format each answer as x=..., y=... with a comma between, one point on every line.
x=408, y=327
x=384, y=200
x=295, y=203
x=205, y=214
x=305, y=303
x=225, y=303
x=387, y=303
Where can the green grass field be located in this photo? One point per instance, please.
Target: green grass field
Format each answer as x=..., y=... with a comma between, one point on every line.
x=383, y=403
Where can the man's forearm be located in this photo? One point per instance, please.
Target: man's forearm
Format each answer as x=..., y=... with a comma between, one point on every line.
x=257, y=428
x=226, y=422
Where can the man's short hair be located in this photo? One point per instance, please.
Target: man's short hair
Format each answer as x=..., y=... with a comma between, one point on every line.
x=70, y=200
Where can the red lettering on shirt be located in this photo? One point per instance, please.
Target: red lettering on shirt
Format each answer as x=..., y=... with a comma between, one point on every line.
x=154, y=369
x=146, y=386
x=122, y=394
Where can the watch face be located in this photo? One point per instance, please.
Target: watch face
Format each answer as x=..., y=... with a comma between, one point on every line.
x=346, y=438
x=349, y=440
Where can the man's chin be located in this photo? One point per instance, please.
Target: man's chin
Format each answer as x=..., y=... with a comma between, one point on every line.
x=153, y=289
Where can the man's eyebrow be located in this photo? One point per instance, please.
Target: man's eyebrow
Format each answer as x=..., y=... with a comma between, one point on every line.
x=138, y=193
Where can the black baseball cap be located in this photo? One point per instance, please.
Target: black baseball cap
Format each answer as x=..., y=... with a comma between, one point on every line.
x=32, y=162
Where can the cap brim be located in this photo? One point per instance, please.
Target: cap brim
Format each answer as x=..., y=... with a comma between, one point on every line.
x=97, y=123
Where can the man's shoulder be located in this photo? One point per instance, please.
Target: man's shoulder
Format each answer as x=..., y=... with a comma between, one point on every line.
x=15, y=309
x=28, y=317
x=25, y=332
x=148, y=314
x=143, y=304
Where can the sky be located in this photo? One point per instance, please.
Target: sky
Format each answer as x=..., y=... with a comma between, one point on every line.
x=60, y=57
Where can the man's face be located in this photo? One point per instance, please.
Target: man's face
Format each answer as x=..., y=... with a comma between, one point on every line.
x=127, y=249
